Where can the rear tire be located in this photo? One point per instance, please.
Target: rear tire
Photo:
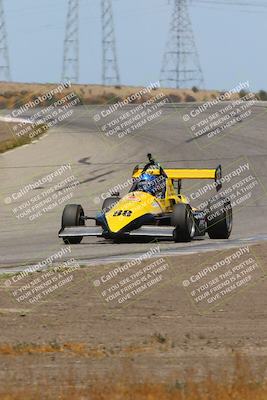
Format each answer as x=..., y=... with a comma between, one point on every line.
x=72, y=216
x=220, y=219
x=183, y=220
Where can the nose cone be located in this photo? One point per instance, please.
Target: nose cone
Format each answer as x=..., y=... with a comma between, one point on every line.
x=131, y=207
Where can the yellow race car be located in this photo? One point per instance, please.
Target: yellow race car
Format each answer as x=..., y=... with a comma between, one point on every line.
x=154, y=207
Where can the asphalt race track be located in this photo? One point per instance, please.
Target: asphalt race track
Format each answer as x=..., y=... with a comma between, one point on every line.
x=101, y=162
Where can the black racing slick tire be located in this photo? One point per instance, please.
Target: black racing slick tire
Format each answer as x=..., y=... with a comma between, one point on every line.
x=109, y=203
x=219, y=218
x=183, y=220
x=72, y=216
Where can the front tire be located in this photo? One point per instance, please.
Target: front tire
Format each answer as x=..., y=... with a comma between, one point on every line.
x=72, y=216
x=183, y=220
x=106, y=206
x=220, y=219
x=109, y=203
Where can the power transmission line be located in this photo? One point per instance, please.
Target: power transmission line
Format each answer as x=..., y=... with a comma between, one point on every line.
x=231, y=3
x=181, y=66
x=71, y=44
x=238, y=5
x=110, y=70
x=4, y=55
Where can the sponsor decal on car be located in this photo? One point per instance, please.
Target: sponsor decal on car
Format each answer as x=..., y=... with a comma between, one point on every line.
x=132, y=197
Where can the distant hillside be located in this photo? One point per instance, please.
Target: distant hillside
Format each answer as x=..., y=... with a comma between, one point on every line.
x=13, y=95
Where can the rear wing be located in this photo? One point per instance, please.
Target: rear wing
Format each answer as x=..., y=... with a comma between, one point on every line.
x=186, y=173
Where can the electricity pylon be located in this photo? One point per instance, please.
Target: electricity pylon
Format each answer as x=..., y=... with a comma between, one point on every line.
x=181, y=67
x=110, y=70
x=4, y=55
x=71, y=44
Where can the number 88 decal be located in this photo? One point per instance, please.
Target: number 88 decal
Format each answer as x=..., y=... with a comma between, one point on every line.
x=123, y=213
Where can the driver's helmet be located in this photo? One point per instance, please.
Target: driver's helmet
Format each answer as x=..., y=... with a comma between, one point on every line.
x=148, y=183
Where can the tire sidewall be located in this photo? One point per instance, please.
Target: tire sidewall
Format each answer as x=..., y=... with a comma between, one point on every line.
x=71, y=216
x=183, y=221
x=109, y=203
x=220, y=226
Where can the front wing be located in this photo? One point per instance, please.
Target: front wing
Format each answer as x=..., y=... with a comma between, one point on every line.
x=153, y=231
x=73, y=231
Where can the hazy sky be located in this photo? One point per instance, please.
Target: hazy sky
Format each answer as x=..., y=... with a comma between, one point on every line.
x=230, y=40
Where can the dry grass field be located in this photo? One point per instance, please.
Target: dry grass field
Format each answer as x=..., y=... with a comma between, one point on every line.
x=12, y=94
x=9, y=139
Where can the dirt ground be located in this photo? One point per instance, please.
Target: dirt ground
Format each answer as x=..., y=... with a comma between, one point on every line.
x=157, y=334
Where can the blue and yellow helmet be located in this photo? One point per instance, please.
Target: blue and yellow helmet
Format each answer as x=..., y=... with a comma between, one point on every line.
x=147, y=183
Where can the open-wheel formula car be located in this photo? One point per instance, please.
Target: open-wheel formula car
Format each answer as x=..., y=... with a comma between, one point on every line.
x=154, y=207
